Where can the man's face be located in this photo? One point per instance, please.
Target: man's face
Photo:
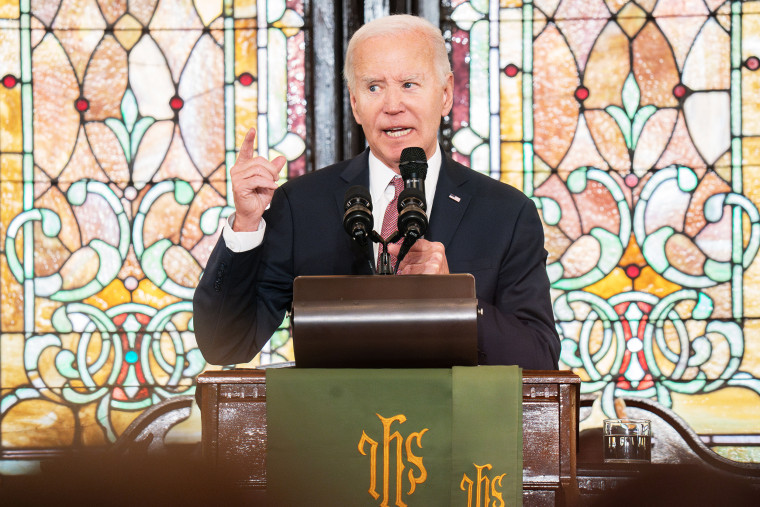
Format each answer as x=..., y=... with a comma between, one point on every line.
x=398, y=97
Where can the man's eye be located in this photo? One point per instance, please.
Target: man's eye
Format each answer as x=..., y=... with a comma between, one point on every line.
x=408, y=85
x=373, y=88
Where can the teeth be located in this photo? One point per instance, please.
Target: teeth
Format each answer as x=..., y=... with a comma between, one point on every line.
x=397, y=132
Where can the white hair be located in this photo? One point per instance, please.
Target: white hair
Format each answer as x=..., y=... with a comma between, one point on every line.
x=392, y=25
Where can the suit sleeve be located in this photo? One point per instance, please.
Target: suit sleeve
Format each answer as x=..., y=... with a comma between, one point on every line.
x=518, y=327
x=242, y=298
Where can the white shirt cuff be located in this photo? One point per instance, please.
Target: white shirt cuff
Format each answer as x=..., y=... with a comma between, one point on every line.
x=242, y=241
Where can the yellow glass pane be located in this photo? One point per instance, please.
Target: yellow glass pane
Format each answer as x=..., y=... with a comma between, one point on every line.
x=245, y=8
x=127, y=31
x=631, y=18
x=751, y=360
x=617, y=281
x=12, y=353
x=44, y=309
x=11, y=298
x=750, y=103
x=112, y=295
x=751, y=292
x=148, y=294
x=9, y=9
x=751, y=188
x=511, y=164
x=246, y=111
x=750, y=8
x=92, y=432
x=706, y=413
x=510, y=111
x=652, y=283
x=38, y=423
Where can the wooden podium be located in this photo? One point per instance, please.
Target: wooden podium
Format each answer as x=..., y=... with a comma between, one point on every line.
x=234, y=421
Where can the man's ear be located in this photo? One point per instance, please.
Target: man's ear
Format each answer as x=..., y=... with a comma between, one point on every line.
x=448, y=95
x=352, y=99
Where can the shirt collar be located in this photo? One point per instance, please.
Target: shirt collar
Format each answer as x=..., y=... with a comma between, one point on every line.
x=380, y=175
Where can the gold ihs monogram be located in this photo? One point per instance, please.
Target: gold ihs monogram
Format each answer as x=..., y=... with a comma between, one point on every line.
x=393, y=455
x=485, y=488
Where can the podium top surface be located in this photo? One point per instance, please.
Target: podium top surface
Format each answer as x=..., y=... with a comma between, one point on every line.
x=356, y=287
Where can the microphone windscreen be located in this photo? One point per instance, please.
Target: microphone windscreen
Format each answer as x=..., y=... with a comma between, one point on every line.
x=413, y=163
x=358, y=191
x=415, y=193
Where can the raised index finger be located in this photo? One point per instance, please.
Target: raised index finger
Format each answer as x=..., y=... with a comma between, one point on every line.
x=246, y=150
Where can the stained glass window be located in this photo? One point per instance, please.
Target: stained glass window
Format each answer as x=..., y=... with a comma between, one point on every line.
x=632, y=124
x=633, y=127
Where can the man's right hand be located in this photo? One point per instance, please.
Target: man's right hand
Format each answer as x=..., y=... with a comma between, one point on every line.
x=254, y=180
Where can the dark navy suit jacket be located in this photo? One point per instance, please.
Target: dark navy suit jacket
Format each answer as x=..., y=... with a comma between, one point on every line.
x=489, y=229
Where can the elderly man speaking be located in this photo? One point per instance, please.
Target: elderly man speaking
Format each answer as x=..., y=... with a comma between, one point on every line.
x=401, y=85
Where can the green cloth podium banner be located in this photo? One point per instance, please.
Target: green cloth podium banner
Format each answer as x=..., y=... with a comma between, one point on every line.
x=395, y=437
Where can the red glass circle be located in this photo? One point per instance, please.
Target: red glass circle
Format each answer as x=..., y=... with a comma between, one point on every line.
x=679, y=91
x=81, y=104
x=581, y=93
x=176, y=103
x=631, y=180
x=245, y=79
x=511, y=70
x=632, y=271
x=9, y=81
x=752, y=63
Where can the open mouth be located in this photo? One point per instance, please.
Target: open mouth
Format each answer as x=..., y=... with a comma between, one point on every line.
x=397, y=131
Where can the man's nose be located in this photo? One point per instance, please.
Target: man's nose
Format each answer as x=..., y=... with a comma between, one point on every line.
x=394, y=101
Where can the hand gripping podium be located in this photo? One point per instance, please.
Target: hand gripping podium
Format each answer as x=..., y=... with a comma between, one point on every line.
x=425, y=321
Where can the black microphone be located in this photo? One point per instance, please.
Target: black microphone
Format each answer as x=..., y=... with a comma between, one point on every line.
x=413, y=168
x=357, y=219
x=412, y=205
x=412, y=219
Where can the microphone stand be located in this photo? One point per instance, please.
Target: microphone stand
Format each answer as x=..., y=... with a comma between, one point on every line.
x=385, y=267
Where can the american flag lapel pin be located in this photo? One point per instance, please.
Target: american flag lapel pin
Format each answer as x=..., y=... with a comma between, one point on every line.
x=455, y=198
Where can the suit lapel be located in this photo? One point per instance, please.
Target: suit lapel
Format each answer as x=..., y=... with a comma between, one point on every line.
x=355, y=173
x=450, y=202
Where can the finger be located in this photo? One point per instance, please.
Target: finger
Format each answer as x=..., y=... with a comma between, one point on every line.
x=428, y=267
x=246, y=150
x=258, y=166
x=256, y=178
x=275, y=167
x=418, y=247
